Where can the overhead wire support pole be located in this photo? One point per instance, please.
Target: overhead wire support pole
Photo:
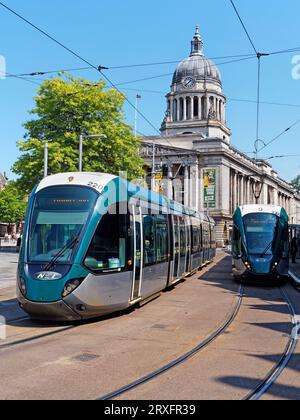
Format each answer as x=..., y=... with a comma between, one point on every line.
x=259, y=56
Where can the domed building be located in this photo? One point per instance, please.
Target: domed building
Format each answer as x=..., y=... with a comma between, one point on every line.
x=195, y=164
x=196, y=104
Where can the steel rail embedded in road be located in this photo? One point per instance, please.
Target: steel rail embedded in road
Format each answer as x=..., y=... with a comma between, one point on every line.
x=182, y=358
x=35, y=337
x=280, y=366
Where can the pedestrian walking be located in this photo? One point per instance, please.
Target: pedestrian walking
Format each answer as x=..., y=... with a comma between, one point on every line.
x=294, y=250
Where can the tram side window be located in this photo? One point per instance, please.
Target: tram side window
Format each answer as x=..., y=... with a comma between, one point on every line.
x=107, y=250
x=183, y=239
x=149, y=241
x=196, y=239
x=236, y=241
x=162, y=238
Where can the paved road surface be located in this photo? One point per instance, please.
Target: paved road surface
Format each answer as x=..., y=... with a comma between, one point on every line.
x=8, y=269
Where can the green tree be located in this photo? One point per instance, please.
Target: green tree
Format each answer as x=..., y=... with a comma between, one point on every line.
x=12, y=204
x=65, y=108
x=296, y=184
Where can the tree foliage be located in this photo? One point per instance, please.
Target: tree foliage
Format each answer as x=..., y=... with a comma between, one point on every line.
x=296, y=184
x=65, y=108
x=12, y=204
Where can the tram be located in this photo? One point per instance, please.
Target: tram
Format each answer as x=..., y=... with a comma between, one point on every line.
x=260, y=242
x=95, y=244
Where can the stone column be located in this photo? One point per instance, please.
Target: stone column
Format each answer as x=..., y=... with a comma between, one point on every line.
x=171, y=110
x=242, y=201
x=192, y=107
x=200, y=107
x=178, y=108
x=184, y=109
x=194, y=186
x=234, y=191
x=186, y=186
x=170, y=183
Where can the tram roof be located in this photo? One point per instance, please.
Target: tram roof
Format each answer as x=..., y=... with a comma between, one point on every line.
x=98, y=181
x=259, y=208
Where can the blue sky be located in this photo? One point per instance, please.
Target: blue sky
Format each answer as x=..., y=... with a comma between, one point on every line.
x=116, y=33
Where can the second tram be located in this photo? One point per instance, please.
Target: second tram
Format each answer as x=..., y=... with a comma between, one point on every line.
x=260, y=242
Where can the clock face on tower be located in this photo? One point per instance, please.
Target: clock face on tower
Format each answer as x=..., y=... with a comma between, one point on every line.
x=188, y=82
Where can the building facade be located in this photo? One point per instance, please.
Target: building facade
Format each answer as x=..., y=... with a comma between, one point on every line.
x=195, y=163
x=3, y=181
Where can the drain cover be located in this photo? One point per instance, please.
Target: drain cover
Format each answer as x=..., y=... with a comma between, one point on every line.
x=86, y=357
x=160, y=327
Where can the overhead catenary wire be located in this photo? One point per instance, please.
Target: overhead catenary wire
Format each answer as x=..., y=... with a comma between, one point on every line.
x=100, y=68
x=127, y=66
x=259, y=55
x=97, y=68
x=279, y=135
x=280, y=157
x=244, y=26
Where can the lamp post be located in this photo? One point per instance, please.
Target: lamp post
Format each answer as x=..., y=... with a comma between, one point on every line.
x=82, y=137
x=46, y=148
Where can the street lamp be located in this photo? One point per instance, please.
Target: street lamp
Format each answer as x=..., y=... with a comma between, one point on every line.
x=92, y=136
x=46, y=148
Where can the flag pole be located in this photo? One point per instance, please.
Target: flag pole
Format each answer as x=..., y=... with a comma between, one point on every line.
x=136, y=114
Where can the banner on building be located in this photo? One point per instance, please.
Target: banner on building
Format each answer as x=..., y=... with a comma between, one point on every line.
x=210, y=188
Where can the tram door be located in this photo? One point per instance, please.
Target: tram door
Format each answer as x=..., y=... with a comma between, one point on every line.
x=138, y=251
x=183, y=247
x=189, y=245
x=176, y=242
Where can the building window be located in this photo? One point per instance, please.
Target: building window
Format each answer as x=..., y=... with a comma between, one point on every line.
x=196, y=107
x=181, y=109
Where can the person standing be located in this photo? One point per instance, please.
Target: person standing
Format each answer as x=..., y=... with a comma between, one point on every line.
x=294, y=250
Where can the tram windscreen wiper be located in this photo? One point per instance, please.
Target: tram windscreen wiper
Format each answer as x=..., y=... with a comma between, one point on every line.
x=65, y=248
x=267, y=249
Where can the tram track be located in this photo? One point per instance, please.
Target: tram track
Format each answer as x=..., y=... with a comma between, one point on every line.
x=271, y=378
x=15, y=343
x=256, y=393
x=178, y=361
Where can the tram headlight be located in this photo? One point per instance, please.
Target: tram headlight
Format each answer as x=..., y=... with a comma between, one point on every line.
x=70, y=286
x=275, y=265
x=22, y=285
x=248, y=266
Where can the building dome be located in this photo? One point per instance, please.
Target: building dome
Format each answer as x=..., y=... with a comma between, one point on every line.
x=197, y=66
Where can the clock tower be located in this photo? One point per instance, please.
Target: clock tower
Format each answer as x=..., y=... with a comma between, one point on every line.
x=196, y=104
